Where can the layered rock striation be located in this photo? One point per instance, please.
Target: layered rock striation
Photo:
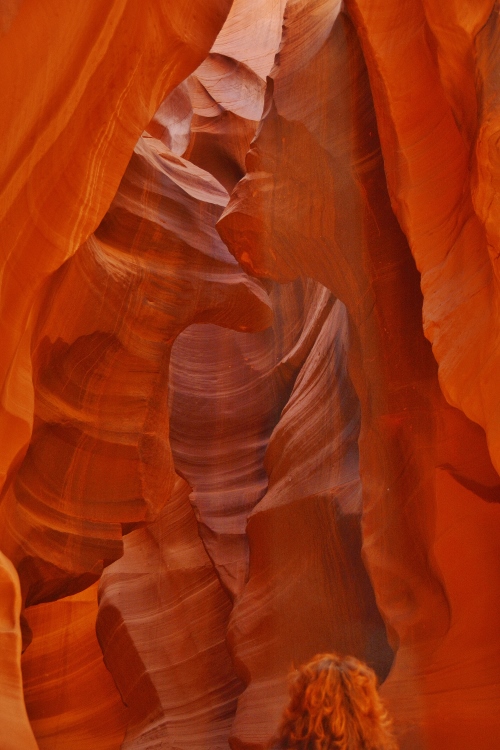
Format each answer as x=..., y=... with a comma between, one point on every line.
x=336, y=221
x=248, y=374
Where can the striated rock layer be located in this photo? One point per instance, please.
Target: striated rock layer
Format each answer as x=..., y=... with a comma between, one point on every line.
x=308, y=591
x=248, y=375
x=16, y=730
x=79, y=84
x=426, y=149
x=71, y=699
x=164, y=610
x=238, y=386
x=99, y=460
x=314, y=202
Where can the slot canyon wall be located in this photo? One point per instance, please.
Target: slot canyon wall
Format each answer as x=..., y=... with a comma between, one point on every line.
x=249, y=366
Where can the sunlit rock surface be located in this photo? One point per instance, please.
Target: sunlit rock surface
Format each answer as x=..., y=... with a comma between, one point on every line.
x=78, y=84
x=249, y=368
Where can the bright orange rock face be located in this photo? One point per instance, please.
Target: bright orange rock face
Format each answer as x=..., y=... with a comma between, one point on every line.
x=16, y=730
x=321, y=199
x=249, y=393
x=79, y=84
x=70, y=696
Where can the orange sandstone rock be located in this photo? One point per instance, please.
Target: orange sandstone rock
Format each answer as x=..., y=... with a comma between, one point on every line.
x=79, y=84
x=162, y=623
x=238, y=386
x=71, y=698
x=16, y=731
x=308, y=590
x=314, y=202
x=425, y=142
x=99, y=460
x=192, y=434
x=280, y=223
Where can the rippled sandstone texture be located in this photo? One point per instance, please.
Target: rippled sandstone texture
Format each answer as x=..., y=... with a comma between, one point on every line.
x=232, y=232
x=79, y=84
x=16, y=729
x=423, y=464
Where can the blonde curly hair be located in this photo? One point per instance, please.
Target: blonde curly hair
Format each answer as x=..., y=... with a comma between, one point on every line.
x=334, y=705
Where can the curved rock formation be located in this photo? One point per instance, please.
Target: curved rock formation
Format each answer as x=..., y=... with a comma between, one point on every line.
x=79, y=84
x=71, y=699
x=353, y=246
x=163, y=609
x=238, y=386
x=308, y=591
x=154, y=266
x=314, y=202
x=16, y=730
x=223, y=224
x=425, y=142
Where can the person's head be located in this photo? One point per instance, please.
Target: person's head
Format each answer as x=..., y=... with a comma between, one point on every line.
x=334, y=705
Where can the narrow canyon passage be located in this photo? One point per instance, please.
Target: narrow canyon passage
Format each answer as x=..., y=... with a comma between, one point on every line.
x=249, y=378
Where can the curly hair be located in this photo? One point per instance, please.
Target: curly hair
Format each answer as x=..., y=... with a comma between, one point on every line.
x=334, y=705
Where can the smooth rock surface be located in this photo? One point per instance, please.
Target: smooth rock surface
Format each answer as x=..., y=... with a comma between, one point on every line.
x=16, y=729
x=71, y=698
x=162, y=623
x=249, y=365
x=314, y=202
x=79, y=83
